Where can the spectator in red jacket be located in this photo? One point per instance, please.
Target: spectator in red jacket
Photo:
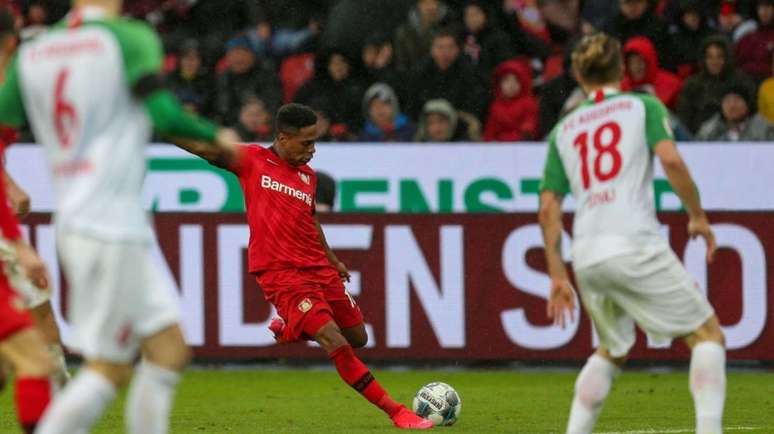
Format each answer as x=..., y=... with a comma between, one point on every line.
x=754, y=50
x=513, y=115
x=642, y=72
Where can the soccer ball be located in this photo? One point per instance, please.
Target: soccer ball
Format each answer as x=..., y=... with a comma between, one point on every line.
x=439, y=403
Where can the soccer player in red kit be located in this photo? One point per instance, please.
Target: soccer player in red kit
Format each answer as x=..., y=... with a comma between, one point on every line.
x=291, y=260
x=20, y=342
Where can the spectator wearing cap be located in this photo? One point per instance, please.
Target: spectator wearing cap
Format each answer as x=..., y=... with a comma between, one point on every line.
x=766, y=95
x=334, y=83
x=244, y=76
x=513, y=115
x=700, y=97
x=447, y=74
x=255, y=121
x=384, y=121
x=441, y=123
x=485, y=44
x=690, y=29
x=754, y=50
x=638, y=18
x=413, y=38
x=734, y=22
x=643, y=74
x=737, y=120
x=190, y=82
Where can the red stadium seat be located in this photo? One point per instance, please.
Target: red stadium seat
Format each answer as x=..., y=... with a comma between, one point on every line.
x=294, y=72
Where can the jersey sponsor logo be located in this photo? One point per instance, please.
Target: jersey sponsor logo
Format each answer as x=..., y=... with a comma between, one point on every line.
x=305, y=305
x=60, y=48
x=267, y=182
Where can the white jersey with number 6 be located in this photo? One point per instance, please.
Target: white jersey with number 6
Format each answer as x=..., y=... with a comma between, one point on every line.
x=75, y=83
x=602, y=154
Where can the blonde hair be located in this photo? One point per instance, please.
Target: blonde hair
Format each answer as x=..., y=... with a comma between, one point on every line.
x=597, y=59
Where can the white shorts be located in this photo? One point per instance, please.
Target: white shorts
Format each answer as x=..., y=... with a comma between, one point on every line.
x=650, y=287
x=116, y=298
x=31, y=295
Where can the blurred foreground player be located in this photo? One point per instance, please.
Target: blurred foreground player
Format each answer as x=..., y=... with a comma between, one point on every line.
x=92, y=92
x=602, y=153
x=36, y=300
x=291, y=260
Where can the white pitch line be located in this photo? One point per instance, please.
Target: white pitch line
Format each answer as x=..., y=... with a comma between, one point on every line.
x=677, y=431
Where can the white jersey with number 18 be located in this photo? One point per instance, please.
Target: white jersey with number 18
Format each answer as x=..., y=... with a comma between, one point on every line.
x=603, y=154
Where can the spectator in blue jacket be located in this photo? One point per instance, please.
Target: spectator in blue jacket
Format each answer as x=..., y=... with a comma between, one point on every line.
x=384, y=120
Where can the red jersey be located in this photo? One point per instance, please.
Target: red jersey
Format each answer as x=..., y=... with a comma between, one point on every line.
x=280, y=201
x=9, y=224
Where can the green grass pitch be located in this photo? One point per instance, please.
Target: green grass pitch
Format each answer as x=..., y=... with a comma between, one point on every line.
x=499, y=401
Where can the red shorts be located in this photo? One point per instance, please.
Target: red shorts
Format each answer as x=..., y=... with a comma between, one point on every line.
x=309, y=298
x=13, y=316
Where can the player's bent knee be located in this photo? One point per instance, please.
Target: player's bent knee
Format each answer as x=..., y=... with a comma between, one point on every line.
x=330, y=337
x=710, y=331
x=356, y=336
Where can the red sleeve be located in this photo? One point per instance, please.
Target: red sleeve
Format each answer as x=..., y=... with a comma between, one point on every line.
x=243, y=163
x=9, y=224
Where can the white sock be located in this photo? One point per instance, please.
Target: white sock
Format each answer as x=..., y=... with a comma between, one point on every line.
x=61, y=375
x=708, y=386
x=79, y=405
x=591, y=389
x=150, y=399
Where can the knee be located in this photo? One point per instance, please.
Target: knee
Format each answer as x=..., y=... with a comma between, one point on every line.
x=710, y=331
x=329, y=337
x=174, y=358
x=359, y=340
x=36, y=367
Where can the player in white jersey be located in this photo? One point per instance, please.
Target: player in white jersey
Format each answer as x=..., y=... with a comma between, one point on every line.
x=602, y=153
x=92, y=90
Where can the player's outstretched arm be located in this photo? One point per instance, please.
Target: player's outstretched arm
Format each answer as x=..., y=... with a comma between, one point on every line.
x=224, y=152
x=18, y=198
x=343, y=271
x=562, y=297
x=682, y=183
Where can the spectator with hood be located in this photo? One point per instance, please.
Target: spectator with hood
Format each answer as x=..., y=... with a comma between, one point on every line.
x=384, y=121
x=700, y=97
x=736, y=121
x=754, y=50
x=413, y=38
x=334, y=83
x=255, y=121
x=642, y=72
x=244, y=75
x=447, y=74
x=440, y=123
x=689, y=31
x=638, y=18
x=485, y=44
x=513, y=115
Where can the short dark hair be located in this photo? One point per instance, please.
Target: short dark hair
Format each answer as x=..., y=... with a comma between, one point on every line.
x=7, y=22
x=448, y=31
x=293, y=117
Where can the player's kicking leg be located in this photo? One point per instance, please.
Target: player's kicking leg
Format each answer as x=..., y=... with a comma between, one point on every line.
x=352, y=370
x=708, y=376
x=25, y=351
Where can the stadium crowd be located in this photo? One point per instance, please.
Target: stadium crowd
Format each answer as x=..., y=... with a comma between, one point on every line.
x=454, y=70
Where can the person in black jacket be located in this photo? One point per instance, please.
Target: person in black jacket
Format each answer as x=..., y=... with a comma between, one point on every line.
x=690, y=29
x=638, y=18
x=485, y=45
x=243, y=76
x=447, y=74
x=190, y=82
x=335, y=86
